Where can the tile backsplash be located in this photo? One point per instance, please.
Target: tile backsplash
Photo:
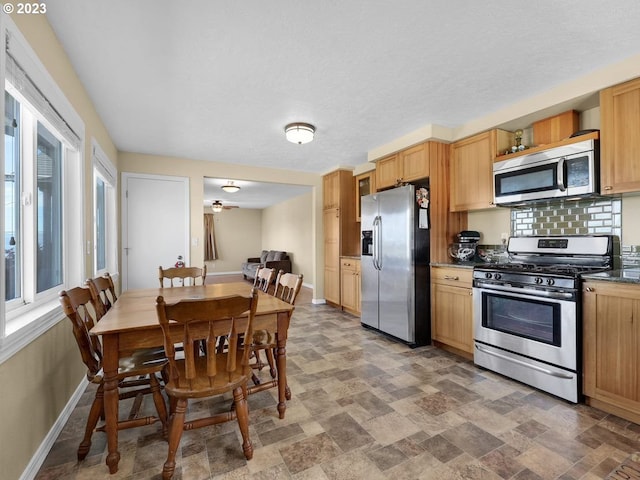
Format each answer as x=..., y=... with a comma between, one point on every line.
x=601, y=215
x=575, y=217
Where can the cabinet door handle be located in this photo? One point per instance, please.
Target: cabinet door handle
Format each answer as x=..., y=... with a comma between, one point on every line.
x=449, y=277
x=608, y=187
x=590, y=289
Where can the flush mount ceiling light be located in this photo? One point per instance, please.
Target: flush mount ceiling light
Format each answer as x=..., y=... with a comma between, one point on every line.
x=216, y=206
x=299, y=132
x=230, y=187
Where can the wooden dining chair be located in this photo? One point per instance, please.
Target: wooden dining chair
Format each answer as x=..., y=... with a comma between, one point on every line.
x=210, y=372
x=136, y=374
x=287, y=287
x=185, y=275
x=264, y=278
x=103, y=291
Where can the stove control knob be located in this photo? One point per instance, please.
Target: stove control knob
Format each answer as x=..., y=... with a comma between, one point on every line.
x=538, y=280
x=497, y=276
x=488, y=275
x=550, y=281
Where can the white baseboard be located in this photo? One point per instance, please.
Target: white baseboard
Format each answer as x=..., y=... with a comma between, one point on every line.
x=43, y=450
x=213, y=274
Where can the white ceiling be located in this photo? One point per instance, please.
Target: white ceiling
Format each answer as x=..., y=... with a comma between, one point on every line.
x=219, y=80
x=252, y=194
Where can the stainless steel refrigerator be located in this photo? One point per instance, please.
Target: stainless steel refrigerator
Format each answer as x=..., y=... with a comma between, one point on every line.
x=395, y=292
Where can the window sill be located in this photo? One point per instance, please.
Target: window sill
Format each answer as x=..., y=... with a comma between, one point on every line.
x=25, y=328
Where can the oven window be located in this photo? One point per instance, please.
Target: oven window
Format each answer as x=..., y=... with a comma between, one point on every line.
x=533, y=319
x=535, y=179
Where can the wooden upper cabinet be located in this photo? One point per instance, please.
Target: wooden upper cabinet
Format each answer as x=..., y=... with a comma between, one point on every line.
x=331, y=190
x=556, y=128
x=404, y=166
x=414, y=162
x=387, y=172
x=620, y=138
x=472, y=169
x=365, y=185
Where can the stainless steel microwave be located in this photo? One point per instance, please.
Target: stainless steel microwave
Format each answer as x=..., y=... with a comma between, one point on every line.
x=560, y=172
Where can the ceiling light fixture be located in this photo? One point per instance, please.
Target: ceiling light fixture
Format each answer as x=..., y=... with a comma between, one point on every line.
x=299, y=132
x=230, y=187
x=216, y=206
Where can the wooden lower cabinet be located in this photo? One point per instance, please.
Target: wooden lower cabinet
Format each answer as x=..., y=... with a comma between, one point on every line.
x=350, y=276
x=611, y=342
x=451, y=308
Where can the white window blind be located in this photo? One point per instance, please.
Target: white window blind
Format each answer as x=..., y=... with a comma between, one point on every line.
x=21, y=81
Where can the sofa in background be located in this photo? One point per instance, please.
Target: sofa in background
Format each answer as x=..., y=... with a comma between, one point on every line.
x=269, y=259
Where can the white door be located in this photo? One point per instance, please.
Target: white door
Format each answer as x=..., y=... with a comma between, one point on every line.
x=155, y=226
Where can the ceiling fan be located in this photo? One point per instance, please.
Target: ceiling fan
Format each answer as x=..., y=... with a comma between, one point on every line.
x=217, y=206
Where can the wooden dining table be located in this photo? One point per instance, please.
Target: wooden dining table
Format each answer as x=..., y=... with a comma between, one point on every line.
x=132, y=324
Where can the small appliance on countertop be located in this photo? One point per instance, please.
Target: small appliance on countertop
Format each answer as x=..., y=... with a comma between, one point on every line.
x=464, y=249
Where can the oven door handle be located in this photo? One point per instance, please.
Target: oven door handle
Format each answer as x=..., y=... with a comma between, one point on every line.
x=527, y=291
x=525, y=364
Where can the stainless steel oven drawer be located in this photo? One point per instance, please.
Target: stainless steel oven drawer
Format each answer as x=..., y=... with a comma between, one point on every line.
x=559, y=382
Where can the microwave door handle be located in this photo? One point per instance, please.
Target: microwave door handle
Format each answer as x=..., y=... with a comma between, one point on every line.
x=562, y=183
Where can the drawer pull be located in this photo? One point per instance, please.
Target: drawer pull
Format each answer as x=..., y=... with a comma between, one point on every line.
x=449, y=277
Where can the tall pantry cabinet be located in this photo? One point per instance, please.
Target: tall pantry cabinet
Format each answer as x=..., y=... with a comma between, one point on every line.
x=341, y=231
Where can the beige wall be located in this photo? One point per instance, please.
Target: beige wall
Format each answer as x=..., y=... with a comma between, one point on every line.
x=238, y=234
x=197, y=170
x=491, y=224
x=287, y=226
x=40, y=379
x=243, y=233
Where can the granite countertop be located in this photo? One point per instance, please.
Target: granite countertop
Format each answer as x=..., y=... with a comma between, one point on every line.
x=354, y=257
x=467, y=265
x=623, y=275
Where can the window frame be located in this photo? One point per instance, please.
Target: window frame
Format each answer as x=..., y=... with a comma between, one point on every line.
x=104, y=169
x=21, y=325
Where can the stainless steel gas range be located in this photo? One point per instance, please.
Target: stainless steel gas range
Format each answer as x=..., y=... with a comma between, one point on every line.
x=527, y=319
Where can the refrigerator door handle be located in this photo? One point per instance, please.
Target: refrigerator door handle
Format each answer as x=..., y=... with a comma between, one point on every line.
x=375, y=242
x=377, y=246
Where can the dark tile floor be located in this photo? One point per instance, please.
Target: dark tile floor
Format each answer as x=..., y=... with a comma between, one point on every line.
x=365, y=407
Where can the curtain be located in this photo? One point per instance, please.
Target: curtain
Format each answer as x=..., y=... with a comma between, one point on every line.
x=210, y=252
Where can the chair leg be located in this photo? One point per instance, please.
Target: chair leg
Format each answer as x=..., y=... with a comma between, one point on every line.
x=158, y=400
x=176, y=426
x=259, y=362
x=272, y=362
x=242, y=413
x=97, y=408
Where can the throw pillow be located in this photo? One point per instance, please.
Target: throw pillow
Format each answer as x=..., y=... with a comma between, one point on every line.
x=271, y=256
x=263, y=256
x=280, y=256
